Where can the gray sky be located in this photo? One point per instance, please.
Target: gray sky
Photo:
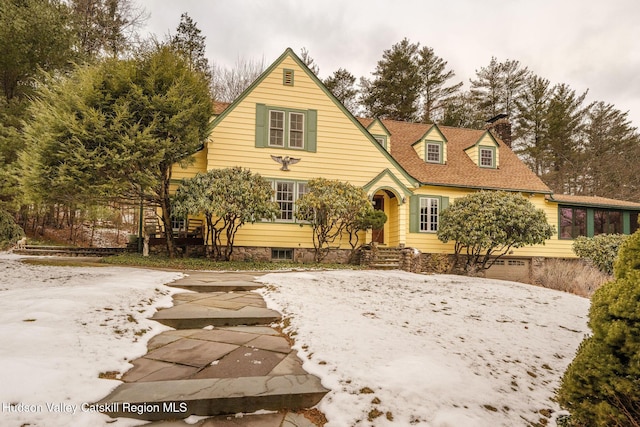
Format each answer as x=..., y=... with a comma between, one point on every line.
x=588, y=44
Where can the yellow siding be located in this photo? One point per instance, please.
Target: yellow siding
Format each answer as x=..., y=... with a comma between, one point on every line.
x=376, y=129
x=343, y=150
x=554, y=247
x=420, y=149
x=198, y=164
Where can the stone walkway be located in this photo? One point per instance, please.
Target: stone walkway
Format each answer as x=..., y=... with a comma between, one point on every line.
x=222, y=359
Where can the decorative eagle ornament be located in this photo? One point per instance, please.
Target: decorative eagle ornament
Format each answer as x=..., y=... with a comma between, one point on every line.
x=285, y=161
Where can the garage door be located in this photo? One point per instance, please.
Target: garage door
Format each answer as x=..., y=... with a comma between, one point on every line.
x=510, y=269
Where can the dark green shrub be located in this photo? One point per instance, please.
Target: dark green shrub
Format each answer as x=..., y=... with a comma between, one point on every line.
x=601, y=250
x=601, y=387
x=10, y=232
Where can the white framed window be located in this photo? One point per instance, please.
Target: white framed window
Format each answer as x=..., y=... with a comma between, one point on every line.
x=286, y=195
x=429, y=212
x=434, y=153
x=487, y=157
x=296, y=130
x=285, y=199
x=276, y=128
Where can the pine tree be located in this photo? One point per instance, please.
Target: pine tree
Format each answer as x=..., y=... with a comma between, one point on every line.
x=395, y=90
x=434, y=77
x=498, y=86
x=601, y=386
x=532, y=127
x=612, y=146
x=565, y=120
x=342, y=85
x=190, y=43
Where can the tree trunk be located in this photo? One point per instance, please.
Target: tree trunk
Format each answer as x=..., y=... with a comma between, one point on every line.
x=165, y=205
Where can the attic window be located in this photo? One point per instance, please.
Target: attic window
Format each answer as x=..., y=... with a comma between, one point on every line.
x=487, y=157
x=287, y=77
x=434, y=152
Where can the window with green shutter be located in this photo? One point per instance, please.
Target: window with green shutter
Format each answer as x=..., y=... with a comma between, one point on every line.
x=424, y=213
x=287, y=128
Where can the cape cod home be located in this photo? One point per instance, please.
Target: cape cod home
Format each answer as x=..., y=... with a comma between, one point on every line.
x=411, y=171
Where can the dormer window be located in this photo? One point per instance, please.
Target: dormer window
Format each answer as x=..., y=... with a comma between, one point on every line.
x=434, y=152
x=488, y=157
x=382, y=140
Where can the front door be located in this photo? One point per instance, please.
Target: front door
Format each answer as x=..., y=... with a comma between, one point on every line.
x=378, y=233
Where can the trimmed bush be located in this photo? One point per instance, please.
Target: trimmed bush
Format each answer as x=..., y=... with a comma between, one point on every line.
x=600, y=250
x=601, y=387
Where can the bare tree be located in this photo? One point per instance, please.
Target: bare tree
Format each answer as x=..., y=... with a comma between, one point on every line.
x=229, y=83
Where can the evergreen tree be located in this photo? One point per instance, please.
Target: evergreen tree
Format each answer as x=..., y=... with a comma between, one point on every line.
x=116, y=129
x=190, y=43
x=532, y=127
x=601, y=386
x=565, y=120
x=612, y=146
x=342, y=85
x=434, y=78
x=461, y=111
x=34, y=34
x=395, y=90
x=498, y=86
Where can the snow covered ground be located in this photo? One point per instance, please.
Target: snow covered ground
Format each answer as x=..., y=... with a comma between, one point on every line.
x=61, y=327
x=404, y=349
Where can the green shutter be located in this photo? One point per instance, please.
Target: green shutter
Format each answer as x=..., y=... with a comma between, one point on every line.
x=591, y=223
x=444, y=204
x=626, y=222
x=261, y=128
x=414, y=214
x=312, y=130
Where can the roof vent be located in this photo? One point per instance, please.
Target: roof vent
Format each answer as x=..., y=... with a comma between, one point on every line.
x=287, y=77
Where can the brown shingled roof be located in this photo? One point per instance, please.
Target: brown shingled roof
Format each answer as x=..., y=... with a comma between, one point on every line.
x=593, y=201
x=512, y=174
x=219, y=107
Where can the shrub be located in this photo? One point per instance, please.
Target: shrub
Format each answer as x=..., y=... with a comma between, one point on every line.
x=600, y=250
x=601, y=387
x=10, y=232
x=489, y=224
x=574, y=276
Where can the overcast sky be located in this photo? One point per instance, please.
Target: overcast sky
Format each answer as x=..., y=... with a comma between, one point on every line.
x=588, y=44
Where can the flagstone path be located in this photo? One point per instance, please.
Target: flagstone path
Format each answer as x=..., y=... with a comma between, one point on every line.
x=222, y=359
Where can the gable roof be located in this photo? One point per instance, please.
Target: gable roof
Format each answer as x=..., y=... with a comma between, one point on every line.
x=459, y=171
x=223, y=109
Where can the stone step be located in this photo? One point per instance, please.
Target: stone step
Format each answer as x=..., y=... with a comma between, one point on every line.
x=198, y=310
x=279, y=419
x=385, y=266
x=199, y=285
x=161, y=400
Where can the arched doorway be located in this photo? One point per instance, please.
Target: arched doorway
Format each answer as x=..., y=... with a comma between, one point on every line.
x=388, y=201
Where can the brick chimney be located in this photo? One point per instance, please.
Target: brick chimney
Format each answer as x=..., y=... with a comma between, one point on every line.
x=501, y=128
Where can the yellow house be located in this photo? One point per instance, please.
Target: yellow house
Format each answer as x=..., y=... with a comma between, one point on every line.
x=411, y=171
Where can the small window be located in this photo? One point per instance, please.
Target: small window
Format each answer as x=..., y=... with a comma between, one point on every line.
x=487, y=157
x=282, y=254
x=434, y=154
x=516, y=263
x=633, y=222
x=382, y=140
x=276, y=128
x=287, y=77
x=429, y=210
x=296, y=130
